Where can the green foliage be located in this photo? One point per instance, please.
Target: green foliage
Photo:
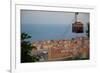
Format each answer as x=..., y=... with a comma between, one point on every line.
x=26, y=48
x=88, y=30
x=25, y=36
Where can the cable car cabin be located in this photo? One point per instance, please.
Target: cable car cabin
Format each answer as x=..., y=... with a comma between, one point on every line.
x=77, y=27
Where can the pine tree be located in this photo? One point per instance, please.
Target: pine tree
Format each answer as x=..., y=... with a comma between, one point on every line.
x=88, y=30
x=26, y=48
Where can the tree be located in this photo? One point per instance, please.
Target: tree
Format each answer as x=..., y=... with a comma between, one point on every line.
x=26, y=48
x=88, y=30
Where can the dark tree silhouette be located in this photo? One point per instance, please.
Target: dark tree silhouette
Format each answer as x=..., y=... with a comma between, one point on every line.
x=26, y=49
x=88, y=30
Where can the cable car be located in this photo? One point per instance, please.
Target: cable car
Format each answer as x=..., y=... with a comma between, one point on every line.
x=77, y=27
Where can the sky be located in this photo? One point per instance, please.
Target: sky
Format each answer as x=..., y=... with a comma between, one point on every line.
x=51, y=25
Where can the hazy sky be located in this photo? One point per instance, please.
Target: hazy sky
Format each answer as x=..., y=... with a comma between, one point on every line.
x=49, y=25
